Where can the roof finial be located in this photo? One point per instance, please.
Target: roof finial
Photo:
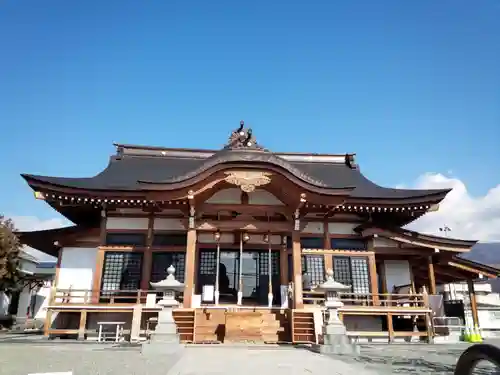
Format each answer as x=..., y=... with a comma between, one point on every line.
x=240, y=129
x=242, y=139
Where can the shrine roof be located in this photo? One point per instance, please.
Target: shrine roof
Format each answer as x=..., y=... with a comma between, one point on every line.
x=140, y=168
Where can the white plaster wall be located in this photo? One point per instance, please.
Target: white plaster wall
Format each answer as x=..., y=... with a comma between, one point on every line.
x=397, y=273
x=342, y=228
x=168, y=224
x=384, y=242
x=138, y=223
x=77, y=270
x=314, y=227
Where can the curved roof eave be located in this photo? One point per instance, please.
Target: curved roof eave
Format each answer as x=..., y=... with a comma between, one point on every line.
x=420, y=239
x=407, y=196
x=59, y=183
x=85, y=185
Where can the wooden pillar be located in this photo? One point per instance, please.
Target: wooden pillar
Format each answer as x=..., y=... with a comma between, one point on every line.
x=412, y=277
x=372, y=267
x=83, y=325
x=298, y=302
x=147, y=259
x=432, y=278
x=390, y=327
x=327, y=246
x=96, y=283
x=473, y=302
x=284, y=261
x=52, y=296
x=190, y=266
x=97, y=278
x=103, y=224
x=48, y=322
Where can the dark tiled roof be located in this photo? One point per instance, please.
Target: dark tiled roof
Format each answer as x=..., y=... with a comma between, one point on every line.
x=431, y=238
x=44, y=240
x=138, y=172
x=493, y=269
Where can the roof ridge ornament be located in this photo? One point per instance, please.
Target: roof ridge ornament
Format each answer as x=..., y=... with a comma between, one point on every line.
x=243, y=138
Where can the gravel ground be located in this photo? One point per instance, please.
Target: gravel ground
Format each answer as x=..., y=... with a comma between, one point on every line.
x=23, y=356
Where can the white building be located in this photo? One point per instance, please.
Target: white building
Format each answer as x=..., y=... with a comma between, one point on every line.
x=488, y=303
x=31, y=300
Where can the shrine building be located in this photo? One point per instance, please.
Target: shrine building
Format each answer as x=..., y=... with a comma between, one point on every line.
x=250, y=233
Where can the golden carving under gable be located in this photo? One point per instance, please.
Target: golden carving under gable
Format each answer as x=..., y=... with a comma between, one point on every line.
x=248, y=180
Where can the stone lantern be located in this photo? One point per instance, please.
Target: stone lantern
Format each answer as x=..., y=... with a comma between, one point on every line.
x=165, y=337
x=335, y=340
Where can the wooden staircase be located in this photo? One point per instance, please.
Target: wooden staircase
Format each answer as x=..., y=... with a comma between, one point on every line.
x=210, y=325
x=303, y=331
x=241, y=325
x=185, y=320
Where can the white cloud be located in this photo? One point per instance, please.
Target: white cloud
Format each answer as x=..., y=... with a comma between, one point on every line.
x=469, y=217
x=32, y=223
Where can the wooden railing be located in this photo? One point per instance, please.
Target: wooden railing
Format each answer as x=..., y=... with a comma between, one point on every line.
x=112, y=297
x=371, y=299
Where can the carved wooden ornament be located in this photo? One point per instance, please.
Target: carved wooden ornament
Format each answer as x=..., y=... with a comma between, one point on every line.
x=248, y=181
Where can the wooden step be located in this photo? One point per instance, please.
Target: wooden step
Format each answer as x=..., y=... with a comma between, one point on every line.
x=303, y=329
x=185, y=322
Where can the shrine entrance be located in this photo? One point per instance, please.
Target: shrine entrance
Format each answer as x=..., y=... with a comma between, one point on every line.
x=252, y=280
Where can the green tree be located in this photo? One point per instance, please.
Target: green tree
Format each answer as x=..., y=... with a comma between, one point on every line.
x=10, y=246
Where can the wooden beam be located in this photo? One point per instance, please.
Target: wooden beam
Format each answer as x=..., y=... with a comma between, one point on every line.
x=103, y=224
x=373, y=279
x=96, y=282
x=284, y=277
x=471, y=270
x=473, y=302
x=190, y=259
x=432, y=278
x=248, y=226
x=147, y=258
x=328, y=258
x=245, y=208
x=297, y=271
x=83, y=324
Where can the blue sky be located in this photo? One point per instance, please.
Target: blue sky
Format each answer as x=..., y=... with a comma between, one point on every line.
x=411, y=86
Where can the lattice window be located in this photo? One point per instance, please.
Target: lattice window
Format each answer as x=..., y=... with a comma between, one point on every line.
x=161, y=261
x=208, y=262
x=264, y=263
x=169, y=239
x=352, y=271
x=121, y=271
x=126, y=239
x=314, y=267
x=342, y=270
x=348, y=244
x=360, y=275
x=312, y=242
